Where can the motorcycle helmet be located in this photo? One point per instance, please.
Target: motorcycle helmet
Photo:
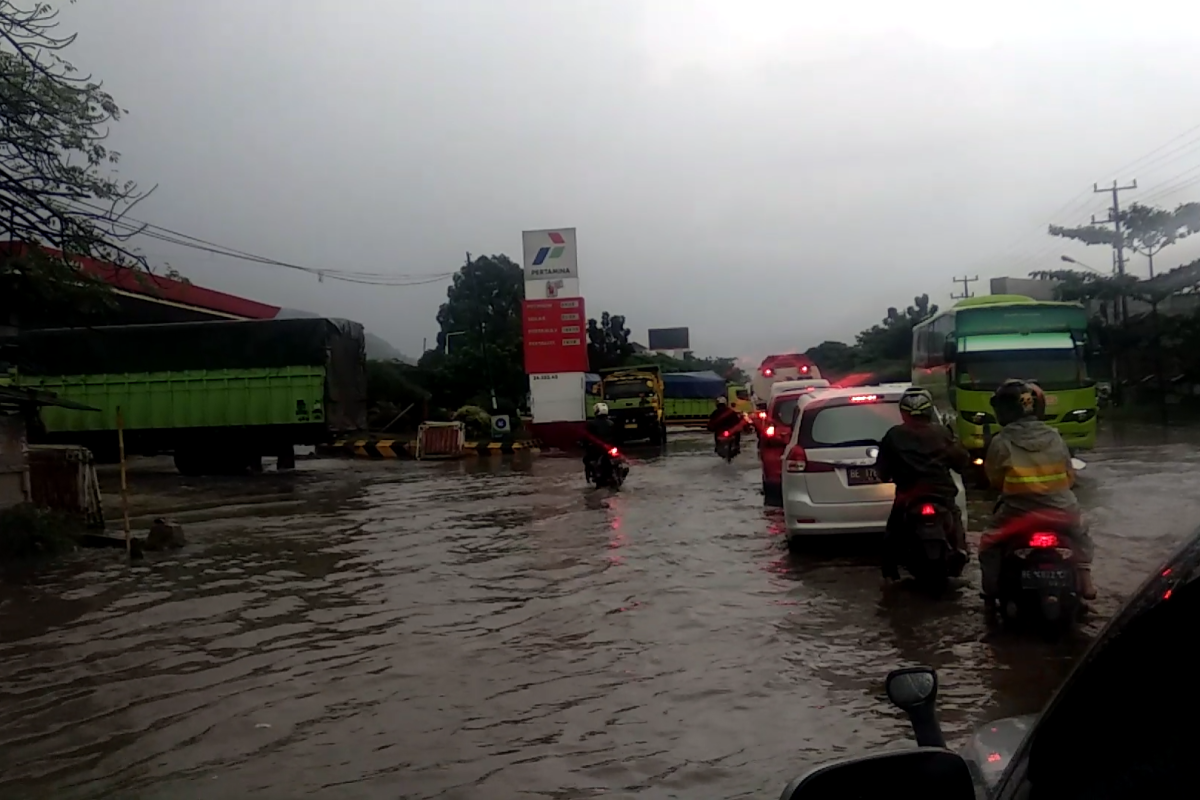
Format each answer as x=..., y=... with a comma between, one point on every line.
x=601, y=409
x=1016, y=399
x=916, y=403
x=722, y=400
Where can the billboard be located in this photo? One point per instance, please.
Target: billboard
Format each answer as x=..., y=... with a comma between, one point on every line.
x=555, y=333
x=550, y=255
x=668, y=339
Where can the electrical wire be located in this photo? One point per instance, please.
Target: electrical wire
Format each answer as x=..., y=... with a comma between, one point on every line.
x=164, y=234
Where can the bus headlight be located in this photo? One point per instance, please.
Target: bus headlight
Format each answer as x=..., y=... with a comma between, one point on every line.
x=1079, y=415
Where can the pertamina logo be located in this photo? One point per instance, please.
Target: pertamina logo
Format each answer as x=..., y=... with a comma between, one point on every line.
x=545, y=254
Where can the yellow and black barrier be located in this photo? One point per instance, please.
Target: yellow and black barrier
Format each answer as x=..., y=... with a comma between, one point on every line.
x=498, y=448
x=397, y=448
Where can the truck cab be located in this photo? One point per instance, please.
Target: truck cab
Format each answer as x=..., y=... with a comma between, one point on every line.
x=635, y=399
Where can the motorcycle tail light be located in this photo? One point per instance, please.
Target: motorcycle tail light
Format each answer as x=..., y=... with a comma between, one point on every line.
x=614, y=452
x=928, y=510
x=1043, y=540
x=770, y=430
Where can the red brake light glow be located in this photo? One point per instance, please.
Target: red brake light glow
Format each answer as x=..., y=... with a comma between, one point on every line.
x=864, y=398
x=804, y=369
x=762, y=415
x=770, y=430
x=928, y=510
x=614, y=452
x=1043, y=540
x=768, y=372
x=726, y=433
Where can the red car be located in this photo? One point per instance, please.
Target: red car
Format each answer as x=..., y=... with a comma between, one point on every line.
x=774, y=432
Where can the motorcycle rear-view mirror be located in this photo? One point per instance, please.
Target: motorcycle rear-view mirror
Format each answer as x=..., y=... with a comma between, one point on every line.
x=912, y=688
x=931, y=773
x=1078, y=464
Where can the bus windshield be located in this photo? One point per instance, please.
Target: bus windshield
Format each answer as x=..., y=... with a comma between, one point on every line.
x=1053, y=370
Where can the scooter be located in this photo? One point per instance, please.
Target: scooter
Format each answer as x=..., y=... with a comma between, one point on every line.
x=727, y=446
x=926, y=549
x=611, y=470
x=1039, y=579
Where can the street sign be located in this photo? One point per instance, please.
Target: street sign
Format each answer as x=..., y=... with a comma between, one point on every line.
x=501, y=426
x=555, y=334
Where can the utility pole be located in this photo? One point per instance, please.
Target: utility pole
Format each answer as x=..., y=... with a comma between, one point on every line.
x=966, y=292
x=1114, y=216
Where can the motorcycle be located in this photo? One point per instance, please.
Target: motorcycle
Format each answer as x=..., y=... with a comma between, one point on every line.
x=611, y=470
x=727, y=446
x=1039, y=581
x=926, y=550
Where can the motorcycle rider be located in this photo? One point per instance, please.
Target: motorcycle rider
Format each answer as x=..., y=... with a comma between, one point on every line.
x=1030, y=464
x=601, y=435
x=918, y=455
x=723, y=418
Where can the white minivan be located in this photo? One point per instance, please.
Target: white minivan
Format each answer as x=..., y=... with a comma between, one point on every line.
x=830, y=485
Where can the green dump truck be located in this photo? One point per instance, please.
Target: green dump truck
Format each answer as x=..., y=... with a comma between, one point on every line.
x=218, y=395
x=635, y=402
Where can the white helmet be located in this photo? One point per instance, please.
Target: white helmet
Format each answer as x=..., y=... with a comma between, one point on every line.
x=601, y=409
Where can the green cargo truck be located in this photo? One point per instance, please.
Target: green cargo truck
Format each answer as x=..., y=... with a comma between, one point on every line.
x=688, y=397
x=218, y=395
x=635, y=402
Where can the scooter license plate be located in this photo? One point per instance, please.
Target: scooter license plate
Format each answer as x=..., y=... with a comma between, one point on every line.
x=1047, y=578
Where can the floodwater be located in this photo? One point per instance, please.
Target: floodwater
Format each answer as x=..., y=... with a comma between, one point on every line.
x=493, y=628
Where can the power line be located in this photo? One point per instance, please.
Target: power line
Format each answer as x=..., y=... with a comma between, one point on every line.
x=164, y=234
x=1074, y=203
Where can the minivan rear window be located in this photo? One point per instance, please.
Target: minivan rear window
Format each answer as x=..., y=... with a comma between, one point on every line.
x=846, y=426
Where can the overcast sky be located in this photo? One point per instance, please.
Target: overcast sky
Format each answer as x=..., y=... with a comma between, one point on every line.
x=770, y=174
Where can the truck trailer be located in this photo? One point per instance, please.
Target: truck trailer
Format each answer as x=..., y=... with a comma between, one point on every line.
x=219, y=396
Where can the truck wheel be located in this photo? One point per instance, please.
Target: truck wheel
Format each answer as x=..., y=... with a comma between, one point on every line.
x=287, y=459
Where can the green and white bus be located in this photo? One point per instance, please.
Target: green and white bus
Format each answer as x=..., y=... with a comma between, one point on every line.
x=964, y=353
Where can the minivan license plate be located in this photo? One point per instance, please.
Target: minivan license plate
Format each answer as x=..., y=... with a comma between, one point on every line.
x=861, y=476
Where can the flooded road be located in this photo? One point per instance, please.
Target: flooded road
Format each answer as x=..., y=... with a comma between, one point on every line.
x=494, y=628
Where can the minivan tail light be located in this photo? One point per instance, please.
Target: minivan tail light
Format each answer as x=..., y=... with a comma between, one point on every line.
x=796, y=461
x=770, y=430
x=864, y=398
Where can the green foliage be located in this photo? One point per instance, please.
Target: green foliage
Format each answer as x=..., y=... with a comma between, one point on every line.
x=1145, y=229
x=393, y=387
x=29, y=532
x=608, y=342
x=891, y=340
x=479, y=344
x=477, y=421
x=56, y=186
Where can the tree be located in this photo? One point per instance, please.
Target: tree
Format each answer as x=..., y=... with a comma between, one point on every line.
x=608, y=342
x=835, y=358
x=1146, y=230
x=479, y=343
x=55, y=186
x=892, y=339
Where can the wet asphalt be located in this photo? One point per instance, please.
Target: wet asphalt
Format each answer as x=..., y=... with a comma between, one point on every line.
x=493, y=627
